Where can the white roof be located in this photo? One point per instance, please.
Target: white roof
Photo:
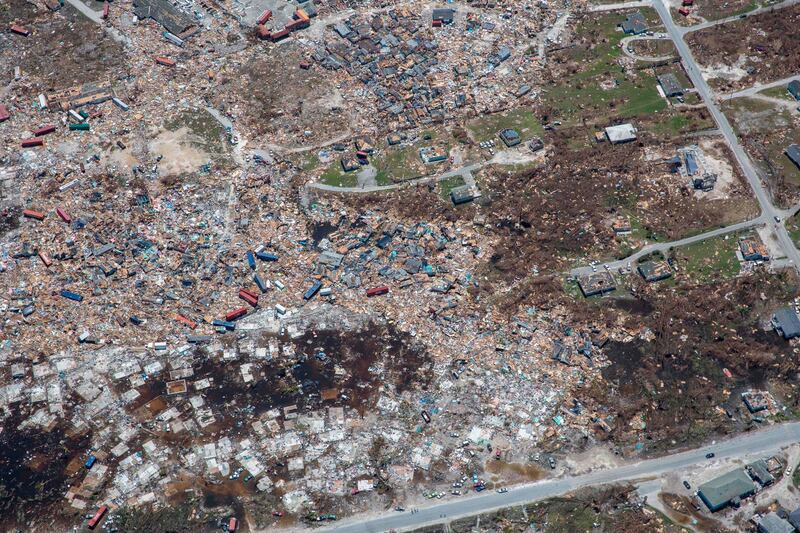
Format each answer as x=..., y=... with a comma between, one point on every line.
x=621, y=133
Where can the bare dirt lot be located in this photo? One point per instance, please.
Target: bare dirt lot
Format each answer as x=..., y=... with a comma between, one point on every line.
x=764, y=47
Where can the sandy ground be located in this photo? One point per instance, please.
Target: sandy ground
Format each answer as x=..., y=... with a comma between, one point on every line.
x=178, y=154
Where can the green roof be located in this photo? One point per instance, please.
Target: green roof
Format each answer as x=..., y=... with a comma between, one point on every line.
x=718, y=492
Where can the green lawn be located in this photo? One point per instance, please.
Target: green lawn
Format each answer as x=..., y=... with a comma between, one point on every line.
x=709, y=260
x=779, y=92
x=520, y=119
x=399, y=163
x=334, y=175
x=448, y=184
x=793, y=227
x=623, y=95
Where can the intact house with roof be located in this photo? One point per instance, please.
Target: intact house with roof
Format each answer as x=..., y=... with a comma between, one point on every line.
x=727, y=489
x=793, y=153
x=794, y=89
x=461, y=195
x=772, y=523
x=654, y=270
x=786, y=323
x=597, y=283
x=670, y=85
x=634, y=24
x=510, y=137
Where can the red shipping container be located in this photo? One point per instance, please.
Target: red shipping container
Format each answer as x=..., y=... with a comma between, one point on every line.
x=64, y=215
x=248, y=297
x=684, y=11
x=19, y=30
x=264, y=17
x=377, y=291
x=97, y=517
x=30, y=213
x=45, y=259
x=105, y=10
x=236, y=313
x=33, y=141
x=4, y=114
x=263, y=32
x=167, y=62
x=44, y=130
x=232, y=524
x=189, y=322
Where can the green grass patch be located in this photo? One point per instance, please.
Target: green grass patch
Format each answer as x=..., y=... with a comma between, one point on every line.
x=448, y=184
x=779, y=92
x=520, y=119
x=709, y=260
x=399, y=163
x=601, y=89
x=335, y=176
x=793, y=227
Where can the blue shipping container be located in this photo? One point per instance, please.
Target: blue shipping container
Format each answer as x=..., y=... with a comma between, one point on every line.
x=72, y=296
x=266, y=256
x=312, y=290
x=251, y=260
x=90, y=461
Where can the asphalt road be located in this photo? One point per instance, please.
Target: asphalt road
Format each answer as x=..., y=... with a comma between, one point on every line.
x=710, y=23
x=767, y=209
x=663, y=247
x=750, y=91
x=755, y=443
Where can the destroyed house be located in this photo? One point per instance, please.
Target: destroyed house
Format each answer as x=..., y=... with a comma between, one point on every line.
x=753, y=250
x=597, y=283
x=163, y=12
x=756, y=400
x=727, y=489
x=793, y=153
x=786, y=323
x=794, y=89
x=654, y=270
x=634, y=24
x=444, y=15
x=670, y=85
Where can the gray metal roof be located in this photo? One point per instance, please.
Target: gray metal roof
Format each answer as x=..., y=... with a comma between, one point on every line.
x=786, y=319
x=721, y=490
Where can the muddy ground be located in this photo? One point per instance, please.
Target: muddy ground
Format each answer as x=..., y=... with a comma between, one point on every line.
x=82, y=52
x=35, y=470
x=764, y=47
